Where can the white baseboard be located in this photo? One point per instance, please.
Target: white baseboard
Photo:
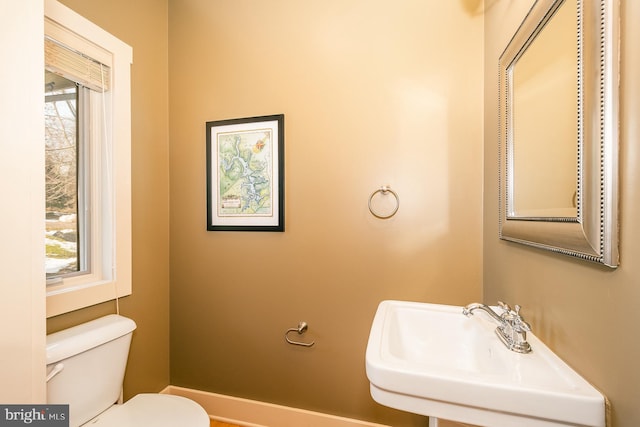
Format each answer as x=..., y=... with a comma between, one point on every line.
x=251, y=413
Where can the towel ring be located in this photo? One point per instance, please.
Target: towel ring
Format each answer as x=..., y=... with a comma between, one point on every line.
x=301, y=329
x=384, y=190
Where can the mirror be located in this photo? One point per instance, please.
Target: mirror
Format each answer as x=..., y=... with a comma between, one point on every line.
x=544, y=157
x=559, y=130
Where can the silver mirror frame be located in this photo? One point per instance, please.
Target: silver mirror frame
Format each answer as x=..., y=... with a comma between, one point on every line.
x=593, y=234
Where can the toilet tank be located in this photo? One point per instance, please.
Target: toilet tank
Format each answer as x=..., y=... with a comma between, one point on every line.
x=86, y=365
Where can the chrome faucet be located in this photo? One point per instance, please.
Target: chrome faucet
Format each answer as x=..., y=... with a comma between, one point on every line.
x=512, y=328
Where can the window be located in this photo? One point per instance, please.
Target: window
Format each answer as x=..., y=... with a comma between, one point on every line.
x=66, y=250
x=87, y=162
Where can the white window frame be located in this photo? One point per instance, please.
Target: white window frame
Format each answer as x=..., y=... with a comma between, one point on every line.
x=111, y=274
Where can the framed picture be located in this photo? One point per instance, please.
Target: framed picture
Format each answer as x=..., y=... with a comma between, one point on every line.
x=245, y=174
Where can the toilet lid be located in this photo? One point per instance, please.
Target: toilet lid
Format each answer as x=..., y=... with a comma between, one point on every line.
x=158, y=410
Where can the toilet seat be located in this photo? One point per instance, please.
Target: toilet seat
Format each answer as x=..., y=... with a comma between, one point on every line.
x=151, y=409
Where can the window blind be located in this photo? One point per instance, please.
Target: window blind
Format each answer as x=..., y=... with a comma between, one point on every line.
x=76, y=66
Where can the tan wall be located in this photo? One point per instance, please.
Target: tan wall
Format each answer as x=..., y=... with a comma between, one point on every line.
x=587, y=314
x=373, y=94
x=143, y=25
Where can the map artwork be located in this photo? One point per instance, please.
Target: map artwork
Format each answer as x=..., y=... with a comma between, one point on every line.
x=245, y=162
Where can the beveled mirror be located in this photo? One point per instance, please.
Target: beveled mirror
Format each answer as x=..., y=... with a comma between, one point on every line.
x=559, y=130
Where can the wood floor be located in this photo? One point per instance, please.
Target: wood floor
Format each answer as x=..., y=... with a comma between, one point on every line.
x=443, y=423
x=215, y=423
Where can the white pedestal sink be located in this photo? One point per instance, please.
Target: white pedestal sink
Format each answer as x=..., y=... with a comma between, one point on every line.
x=430, y=359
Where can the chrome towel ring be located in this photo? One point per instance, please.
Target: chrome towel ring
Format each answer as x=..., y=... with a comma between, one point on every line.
x=384, y=190
x=301, y=329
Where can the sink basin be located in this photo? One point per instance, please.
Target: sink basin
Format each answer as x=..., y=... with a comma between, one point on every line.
x=430, y=359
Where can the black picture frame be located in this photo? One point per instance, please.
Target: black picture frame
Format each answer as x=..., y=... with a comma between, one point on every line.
x=245, y=174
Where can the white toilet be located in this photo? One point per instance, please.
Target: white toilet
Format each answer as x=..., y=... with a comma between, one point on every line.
x=85, y=369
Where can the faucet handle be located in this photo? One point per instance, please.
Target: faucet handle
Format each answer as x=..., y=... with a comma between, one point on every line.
x=519, y=321
x=504, y=306
x=521, y=325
